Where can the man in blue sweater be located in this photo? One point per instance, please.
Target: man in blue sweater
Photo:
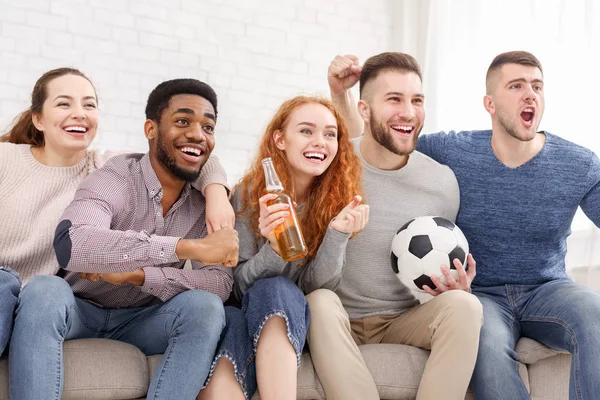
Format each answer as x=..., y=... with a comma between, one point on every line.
x=519, y=190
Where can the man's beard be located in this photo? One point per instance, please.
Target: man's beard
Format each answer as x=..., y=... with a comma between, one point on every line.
x=511, y=128
x=383, y=137
x=170, y=164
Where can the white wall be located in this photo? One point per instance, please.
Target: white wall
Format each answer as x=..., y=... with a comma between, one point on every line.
x=255, y=53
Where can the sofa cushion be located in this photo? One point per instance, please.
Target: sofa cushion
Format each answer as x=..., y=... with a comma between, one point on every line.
x=105, y=369
x=396, y=369
x=529, y=351
x=153, y=362
x=549, y=377
x=119, y=370
x=97, y=369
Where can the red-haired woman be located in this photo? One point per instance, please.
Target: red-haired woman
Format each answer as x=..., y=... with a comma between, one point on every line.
x=262, y=343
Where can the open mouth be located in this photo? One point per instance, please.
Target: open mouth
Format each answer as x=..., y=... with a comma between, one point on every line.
x=76, y=130
x=314, y=156
x=527, y=115
x=403, y=129
x=192, y=154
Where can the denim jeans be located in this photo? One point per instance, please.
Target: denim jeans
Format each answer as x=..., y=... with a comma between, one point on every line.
x=268, y=297
x=186, y=329
x=10, y=286
x=560, y=314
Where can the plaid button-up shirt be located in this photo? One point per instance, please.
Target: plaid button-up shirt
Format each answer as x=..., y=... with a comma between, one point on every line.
x=116, y=224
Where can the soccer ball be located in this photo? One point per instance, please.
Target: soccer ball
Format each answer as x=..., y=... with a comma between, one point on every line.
x=422, y=245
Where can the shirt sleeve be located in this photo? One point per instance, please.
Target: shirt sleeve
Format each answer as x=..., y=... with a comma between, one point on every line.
x=166, y=283
x=325, y=270
x=590, y=204
x=212, y=172
x=85, y=242
x=433, y=145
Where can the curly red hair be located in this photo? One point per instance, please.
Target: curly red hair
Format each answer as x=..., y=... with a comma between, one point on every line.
x=329, y=193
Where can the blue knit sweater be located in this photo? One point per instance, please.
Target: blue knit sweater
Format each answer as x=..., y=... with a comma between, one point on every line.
x=517, y=219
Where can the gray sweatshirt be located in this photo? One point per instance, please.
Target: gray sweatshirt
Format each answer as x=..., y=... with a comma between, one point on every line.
x=367, y=285
x=257, y=260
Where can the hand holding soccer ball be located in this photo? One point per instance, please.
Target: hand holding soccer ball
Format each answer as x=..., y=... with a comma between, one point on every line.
x=429, y=254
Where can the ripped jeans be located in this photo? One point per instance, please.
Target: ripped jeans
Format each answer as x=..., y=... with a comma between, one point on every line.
x=268, y=297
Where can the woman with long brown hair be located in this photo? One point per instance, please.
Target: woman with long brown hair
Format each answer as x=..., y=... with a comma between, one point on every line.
x=309, y=145
x=43, y=158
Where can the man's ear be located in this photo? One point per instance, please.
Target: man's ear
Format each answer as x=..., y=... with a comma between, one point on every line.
x=488, y=103
x=150, y=129
x=36, y=119
x=364, y=110
x=278, y=139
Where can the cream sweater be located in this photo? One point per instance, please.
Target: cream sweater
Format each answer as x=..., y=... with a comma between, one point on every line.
x=33, y=196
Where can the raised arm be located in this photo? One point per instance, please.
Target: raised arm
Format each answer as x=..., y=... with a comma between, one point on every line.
x=342, y=75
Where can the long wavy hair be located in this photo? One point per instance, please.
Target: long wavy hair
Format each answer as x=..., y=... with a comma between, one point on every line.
x=329, y=193
x=23, y=131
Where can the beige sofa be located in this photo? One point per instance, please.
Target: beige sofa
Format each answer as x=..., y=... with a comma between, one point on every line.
x=105, y=369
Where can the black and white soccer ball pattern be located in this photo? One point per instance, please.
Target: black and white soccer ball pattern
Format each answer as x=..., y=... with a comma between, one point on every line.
x=422, y=245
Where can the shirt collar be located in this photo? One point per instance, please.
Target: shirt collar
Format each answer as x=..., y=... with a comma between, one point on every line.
x=151, y=180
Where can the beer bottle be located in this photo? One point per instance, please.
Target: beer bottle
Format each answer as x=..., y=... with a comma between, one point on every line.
x=287, y=234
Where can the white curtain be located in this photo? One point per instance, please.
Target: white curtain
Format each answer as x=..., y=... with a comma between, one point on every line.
x=455, y=41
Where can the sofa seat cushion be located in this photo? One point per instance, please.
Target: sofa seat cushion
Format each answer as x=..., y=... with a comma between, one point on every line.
x=97, y=369
x=530, y=352
x=396, y=369
x=106, y=369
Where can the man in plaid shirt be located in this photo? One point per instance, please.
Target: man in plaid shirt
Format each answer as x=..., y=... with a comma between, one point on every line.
x=123, y=242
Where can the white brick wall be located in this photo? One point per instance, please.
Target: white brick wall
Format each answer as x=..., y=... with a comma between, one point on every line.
x=255, y=53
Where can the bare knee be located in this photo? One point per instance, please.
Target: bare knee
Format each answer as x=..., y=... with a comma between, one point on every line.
x=222, y=384
x=275, y=328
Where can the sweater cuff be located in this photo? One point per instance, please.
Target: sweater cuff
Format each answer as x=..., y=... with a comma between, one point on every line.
x=212, y=172
x=337, y=236
x=270, y=258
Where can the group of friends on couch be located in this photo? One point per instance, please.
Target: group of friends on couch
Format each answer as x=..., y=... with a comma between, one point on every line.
x=93, y=244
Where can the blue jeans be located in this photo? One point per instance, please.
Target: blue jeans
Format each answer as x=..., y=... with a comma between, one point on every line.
x=268, y=297
x=186, y=329
x=560, y=314
x=10, y=286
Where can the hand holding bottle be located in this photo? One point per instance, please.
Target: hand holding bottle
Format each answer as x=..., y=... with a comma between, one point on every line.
x=352, y=218
x=270, y=217
x=284, y=226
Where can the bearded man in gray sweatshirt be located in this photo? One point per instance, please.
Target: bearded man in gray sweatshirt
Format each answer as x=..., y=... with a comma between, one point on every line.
x=369, y=304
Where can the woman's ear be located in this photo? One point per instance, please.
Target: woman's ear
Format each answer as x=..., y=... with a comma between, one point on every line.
x=36, y=119
x=278, y=139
